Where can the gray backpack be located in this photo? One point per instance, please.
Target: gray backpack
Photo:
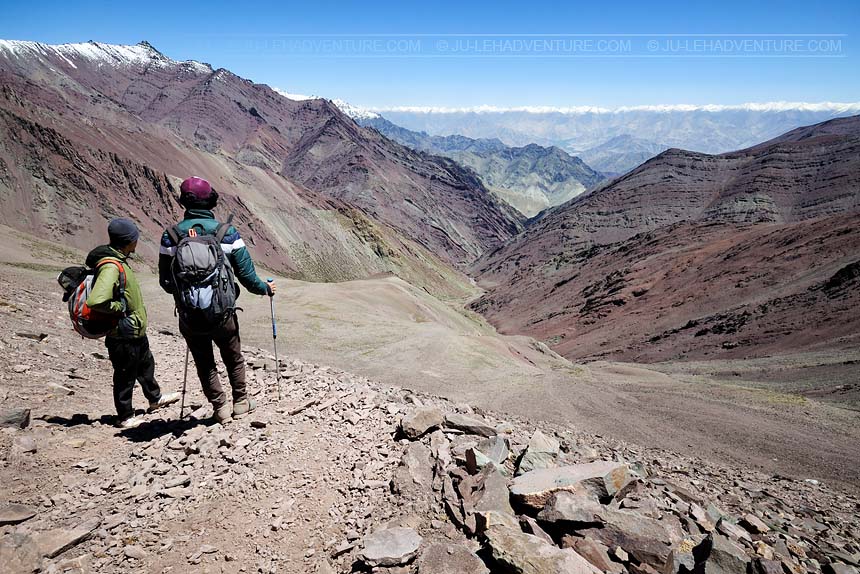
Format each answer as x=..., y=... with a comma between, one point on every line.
x=204, y=284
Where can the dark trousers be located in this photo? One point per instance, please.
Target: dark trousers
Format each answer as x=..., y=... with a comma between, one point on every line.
x=132, y=361
x=228, y=342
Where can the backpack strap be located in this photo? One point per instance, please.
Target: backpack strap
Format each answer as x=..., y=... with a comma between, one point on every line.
x=222, y=229
x=119, y=266
x=174, y=234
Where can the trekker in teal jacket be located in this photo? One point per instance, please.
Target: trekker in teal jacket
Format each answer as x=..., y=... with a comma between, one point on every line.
x=198, y=198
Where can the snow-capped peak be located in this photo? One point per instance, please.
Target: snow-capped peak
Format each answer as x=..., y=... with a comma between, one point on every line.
x=355, y=112
x=294, y=97
x=114, y=54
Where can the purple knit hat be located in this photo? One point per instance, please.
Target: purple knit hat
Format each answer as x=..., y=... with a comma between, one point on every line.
x=196, y=186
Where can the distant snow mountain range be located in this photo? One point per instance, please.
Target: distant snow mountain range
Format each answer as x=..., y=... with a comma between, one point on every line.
x=708, y=129
x=539, y=157
x=616, y=140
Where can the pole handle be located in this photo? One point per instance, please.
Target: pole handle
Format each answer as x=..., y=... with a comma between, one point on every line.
x=269, y=280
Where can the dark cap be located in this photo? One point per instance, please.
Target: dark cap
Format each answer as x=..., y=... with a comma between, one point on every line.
x=122, y=232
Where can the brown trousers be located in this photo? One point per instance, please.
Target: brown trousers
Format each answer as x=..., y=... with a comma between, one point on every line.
x=228, y=342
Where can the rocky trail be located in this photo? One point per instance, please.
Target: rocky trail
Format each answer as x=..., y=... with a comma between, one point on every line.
x=344, y=474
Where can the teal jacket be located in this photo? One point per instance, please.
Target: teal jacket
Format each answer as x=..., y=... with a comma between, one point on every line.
x=234, y=248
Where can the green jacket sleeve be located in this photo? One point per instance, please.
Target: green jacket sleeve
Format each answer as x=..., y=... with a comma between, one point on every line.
x=102, y=294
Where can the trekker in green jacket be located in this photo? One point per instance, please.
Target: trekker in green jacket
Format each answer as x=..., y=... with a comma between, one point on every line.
x=198, y=198
x=127, y=344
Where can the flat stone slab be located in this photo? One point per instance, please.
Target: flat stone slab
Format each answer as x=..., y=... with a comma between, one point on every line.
x=15, y=513
x=54, y=542
x=471, y=425
x=440, y=558
x=599, y=478
x=390, y=547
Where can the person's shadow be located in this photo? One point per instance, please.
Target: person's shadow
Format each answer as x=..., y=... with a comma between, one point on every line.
x=146, y=432
x=77, y=419
x=151, y=430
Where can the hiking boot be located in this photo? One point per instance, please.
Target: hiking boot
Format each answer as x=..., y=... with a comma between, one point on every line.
x=222, y=413
x=243, y=407
x=166, y=399
x=130, y=423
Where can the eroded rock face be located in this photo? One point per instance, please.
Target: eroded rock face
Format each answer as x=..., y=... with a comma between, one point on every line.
x=390, y=547
x=19, y=553
x=596, y=478
x=593, y=551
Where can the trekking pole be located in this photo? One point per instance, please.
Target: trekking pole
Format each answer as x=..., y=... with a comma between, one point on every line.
x=184, y=381
x=275, y=339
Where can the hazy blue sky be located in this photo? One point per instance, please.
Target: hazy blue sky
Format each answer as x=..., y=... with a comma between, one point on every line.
x=324, y=48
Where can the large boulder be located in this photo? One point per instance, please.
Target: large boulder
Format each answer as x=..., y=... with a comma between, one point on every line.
x=514, y=550
x=414, y=475
x=390, y=547
x=725, y=557
x=645, y=539
x=16, y=418
x=494, y=499
x=489, y=450
x=420, y=421
x=565, y=506
x=441, y=558
x=541, y=452
x=594, y=552
x=599, y=479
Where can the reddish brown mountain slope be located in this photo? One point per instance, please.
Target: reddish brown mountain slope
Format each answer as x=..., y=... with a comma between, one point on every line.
x=693, y=256
x=90, y=128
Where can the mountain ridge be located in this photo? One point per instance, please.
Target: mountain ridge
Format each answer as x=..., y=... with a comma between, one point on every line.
x=574, y=261
x=178, y=118
x=531, y=178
